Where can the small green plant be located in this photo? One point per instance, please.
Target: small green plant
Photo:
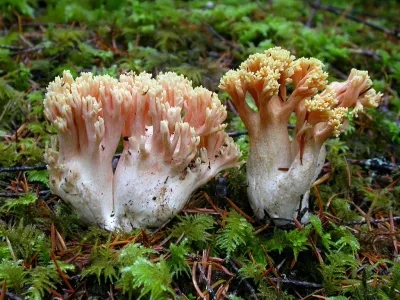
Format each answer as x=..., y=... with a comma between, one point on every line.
x=137, y=271
x=177, y=261
x=153, y=278
x=26, y=241
x=13, y=273
x=103, y=265
x=194, y=228
x=236, y=234
x=21, y=202
x=41, y=280
x=295, y=239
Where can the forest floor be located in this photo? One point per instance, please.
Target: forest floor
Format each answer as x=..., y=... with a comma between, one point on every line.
x=215, y=248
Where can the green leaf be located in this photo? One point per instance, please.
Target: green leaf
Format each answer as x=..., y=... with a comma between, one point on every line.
x=103, y=265
x=337, y=267
x=41, y=280
x=26, y=241
x=317, y=225
x=177, y=262
x=130, y=254
x=193, y=227
x=343, y=210
x=278, y=241
x=22, y=6
x=153, y=278
x=41, y=176
x=13, y=273
x=25, y=200
x=237, y=232
x=253, y=271
x=298, y=240
x=346, y=241
x=295, y=239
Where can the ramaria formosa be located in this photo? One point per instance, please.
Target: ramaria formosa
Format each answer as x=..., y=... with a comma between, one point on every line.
x=174, y=142
x=281, y=166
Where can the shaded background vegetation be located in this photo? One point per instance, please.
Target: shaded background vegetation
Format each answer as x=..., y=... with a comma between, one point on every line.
x=214, y=248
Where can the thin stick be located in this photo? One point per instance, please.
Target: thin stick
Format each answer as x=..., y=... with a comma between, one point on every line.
x=23, y=168
x=60, y=272
x=393, y=231
x=339, y=12
x=376, y=221
x=313, y=13
x=298, y=283
x=246, y=283
x=196, y=286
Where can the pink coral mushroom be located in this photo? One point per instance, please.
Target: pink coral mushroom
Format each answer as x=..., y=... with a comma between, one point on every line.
x=174, y=142
x=281, y=166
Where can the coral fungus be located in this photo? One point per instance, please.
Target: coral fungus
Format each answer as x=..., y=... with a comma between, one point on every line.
x=282, y=166
x=174, y=142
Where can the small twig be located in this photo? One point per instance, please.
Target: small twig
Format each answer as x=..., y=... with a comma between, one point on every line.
x=28, y=50
x=209, y=200
x=111, y=293
x=298, y=283
x=312, y=13
x=3, y=290
x=237, y=133
x=10, y=248
x=9, y=47
x=23, y=168
x=56, y=295
x=161, y=227
x=393, y=232
x=232, y=107
x=195, y=284
x=338, y=11
x=53, y=237
x=60, y=272
x=260, y=6
x=270, y=263
x=42, y=24
x=204, y=278
x=43, y=193
x=73, y=294
x=241, y=212
x=339, y=73
x=376, y=164
x=26, y=41
x=246, y=283
x=376, y=221
x=10, y=296
x=210, y=29
x=366, y=52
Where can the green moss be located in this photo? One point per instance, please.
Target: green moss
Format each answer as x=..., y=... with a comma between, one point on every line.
x=342, y=248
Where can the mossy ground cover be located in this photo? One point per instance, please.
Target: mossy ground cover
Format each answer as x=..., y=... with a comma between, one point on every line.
x=214, y=249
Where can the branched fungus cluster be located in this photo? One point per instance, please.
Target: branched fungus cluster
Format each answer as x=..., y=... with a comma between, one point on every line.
x=267, y=89
x=173, y=142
